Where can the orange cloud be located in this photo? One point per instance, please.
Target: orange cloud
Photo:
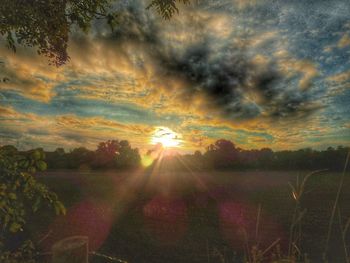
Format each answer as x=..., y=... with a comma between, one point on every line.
x=339, y=82
x=292, y=66
x=28, y=74
x=344, y=41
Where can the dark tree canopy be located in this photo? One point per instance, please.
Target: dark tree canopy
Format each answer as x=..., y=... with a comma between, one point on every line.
x=46, y=24
x=166, y=8
x=111, y=154
x=222, y=154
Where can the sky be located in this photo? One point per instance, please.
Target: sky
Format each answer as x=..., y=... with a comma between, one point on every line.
x=260, y=73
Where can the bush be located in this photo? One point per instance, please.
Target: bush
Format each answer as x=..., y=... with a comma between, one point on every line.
x=20, y=195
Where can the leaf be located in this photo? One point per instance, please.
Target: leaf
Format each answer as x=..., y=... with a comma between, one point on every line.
x=12, y=196
x=36, y=155
x=14, y=227
x=6, y=220
x=59, y=208
x=36, y=204
x=31, y=169
x=24, y=163
x=41, y=165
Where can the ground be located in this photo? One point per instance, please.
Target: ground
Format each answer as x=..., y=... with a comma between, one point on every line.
x=142, y=216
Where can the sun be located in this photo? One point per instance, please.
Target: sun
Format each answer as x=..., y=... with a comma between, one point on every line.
x=166, y=137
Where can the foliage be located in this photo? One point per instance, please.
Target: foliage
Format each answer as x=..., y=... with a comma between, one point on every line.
x=223, y=154
x=295, y=231
x=114, y=153
x=46, y=24
x=166, y=8
x=25, y=253
x=108, y=155
x=127, y=156
x=21, y=195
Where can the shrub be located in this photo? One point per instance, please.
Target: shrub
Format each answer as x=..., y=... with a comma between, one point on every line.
x=21, y=195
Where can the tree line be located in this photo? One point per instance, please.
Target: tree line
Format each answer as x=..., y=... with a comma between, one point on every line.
x=223, y=154
x=112, y=154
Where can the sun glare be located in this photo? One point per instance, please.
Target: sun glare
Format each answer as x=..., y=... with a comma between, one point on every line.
x=166, y=137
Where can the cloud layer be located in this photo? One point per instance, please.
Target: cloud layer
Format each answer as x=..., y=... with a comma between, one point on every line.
x=258, y=73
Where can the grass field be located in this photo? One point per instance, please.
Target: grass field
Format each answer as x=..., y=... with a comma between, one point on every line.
x=192, y=217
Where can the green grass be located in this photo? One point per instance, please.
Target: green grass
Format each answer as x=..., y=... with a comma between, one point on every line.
x=204, y=239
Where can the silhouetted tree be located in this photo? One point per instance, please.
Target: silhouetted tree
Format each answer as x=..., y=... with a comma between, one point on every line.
x=57, y=159
x=266, y=157
x=114, y=153
x=198, y=154
x=127, y=156
x=224, y=154
x=105, y=155
x=80, y=158
x=221, y=154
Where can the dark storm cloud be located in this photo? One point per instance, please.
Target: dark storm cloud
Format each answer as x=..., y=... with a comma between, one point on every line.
x=222, y=74
x=226, y=78
x=221, y=77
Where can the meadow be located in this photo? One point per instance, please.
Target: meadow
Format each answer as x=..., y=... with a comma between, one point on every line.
x=175, y=131
x=141, y=216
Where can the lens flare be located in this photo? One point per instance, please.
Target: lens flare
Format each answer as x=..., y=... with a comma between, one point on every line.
x=146, y=160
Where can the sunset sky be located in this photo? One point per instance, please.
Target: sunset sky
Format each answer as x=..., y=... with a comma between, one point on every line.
x=260, y=73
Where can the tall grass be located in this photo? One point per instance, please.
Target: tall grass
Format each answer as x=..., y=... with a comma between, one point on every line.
x=295, y=231
x=273, y=253
x=343, y=232
x=335, y=205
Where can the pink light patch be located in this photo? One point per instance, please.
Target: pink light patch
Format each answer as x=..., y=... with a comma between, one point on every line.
x=87, y=218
